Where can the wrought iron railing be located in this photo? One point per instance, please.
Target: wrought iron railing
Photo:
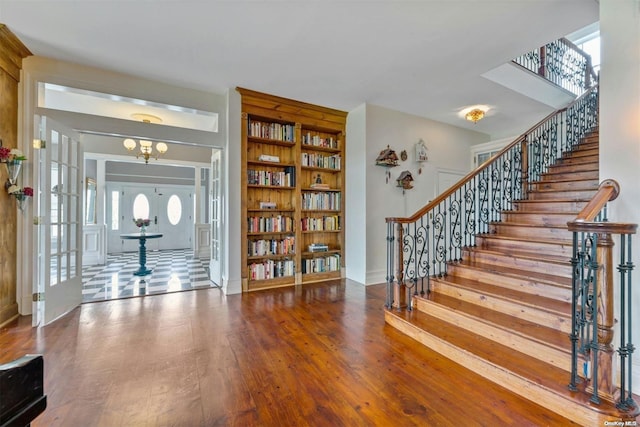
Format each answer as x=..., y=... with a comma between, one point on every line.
x=421, y=246
x=562, y=63
x=592, y=302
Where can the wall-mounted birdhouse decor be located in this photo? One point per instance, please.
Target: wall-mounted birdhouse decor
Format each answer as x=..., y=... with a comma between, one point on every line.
x=421, y=154
x=404, y=181
x=387, y=158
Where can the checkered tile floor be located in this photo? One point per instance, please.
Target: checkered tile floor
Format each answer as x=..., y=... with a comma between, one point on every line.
x=172, y=271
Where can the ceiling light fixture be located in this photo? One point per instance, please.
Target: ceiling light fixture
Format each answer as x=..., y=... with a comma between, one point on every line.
x=474, y=115
x=146, y=147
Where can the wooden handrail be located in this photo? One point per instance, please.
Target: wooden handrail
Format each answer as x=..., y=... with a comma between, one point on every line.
x=483, y=166
x=608, y=190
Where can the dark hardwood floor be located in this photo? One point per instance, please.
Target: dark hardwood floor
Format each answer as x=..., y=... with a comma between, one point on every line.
x=318, y=355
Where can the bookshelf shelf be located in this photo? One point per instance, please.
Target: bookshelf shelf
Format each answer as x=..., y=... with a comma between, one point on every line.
x=308, y=142
x=270, y=164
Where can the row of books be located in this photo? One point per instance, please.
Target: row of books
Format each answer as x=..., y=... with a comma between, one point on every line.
x=319, y=141
x=284, y=178
x=321, y=201
x=268, y=130
x=270, y=269
x=264, y=247
x=321, y=265
x=320, y=161
x=272, y=224
x=321, y=224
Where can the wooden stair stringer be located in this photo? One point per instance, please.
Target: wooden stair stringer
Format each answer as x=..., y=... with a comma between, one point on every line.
x=547, y=392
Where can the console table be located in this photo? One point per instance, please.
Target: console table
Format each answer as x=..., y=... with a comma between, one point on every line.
x=142, y=253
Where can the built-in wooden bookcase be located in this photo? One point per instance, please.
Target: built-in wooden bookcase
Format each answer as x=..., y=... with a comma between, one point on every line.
x=292, y=192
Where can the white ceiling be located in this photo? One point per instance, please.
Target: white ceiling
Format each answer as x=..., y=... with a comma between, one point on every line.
x=420, y=57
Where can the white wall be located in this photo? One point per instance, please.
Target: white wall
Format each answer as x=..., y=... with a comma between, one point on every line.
x=355, y=250
x=231, y=276
x=448, y=149
x=620, y=127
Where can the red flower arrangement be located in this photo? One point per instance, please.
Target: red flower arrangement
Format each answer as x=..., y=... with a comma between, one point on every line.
x=9, y=155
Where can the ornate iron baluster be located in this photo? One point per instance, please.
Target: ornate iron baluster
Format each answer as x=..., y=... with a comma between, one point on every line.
x=627, y=348
x=390, y=263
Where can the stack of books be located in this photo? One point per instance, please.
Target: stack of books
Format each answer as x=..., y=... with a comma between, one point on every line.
x=318, y=247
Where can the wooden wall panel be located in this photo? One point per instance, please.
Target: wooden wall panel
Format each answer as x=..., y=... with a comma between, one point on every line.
x=13, y=51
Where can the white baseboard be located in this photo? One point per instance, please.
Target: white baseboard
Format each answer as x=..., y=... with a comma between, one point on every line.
x=25, y=308
x=231, y=287
x=375, y=277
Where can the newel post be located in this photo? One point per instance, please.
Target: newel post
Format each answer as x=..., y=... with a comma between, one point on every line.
x=400, y=289
x=603, y=366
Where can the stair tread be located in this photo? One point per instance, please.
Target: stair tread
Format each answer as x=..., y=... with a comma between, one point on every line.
x=562, y=190
x=553, y=200
x=551, y=172
x=515, y=253
x=540, y=302
x=542, y=213
x=558, y=242
x=516, y=272
x=526, y=224
x=557, y=181
x=540, y=333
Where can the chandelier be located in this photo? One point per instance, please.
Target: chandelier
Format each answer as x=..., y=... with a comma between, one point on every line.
x=146, y=147
x=474, y=115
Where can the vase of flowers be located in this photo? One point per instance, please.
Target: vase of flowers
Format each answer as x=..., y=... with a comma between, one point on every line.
x=20, y=194
x=142, y=224
x=12, y=159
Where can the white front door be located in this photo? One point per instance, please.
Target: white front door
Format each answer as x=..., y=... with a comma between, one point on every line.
x=216, y=215
x=58, y=207
x=169, y=209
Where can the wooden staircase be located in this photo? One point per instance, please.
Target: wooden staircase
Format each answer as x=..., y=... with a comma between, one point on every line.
x=504, y=310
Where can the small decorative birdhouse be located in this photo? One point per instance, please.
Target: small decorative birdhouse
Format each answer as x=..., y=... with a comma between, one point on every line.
x=404, y=181
x=387, y=158
x=421, y=154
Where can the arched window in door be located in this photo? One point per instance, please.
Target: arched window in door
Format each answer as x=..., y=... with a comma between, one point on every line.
x=141, y=206
x=174, y=209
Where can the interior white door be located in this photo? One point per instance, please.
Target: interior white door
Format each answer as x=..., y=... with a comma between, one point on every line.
x=58, y=207
x=216, y=215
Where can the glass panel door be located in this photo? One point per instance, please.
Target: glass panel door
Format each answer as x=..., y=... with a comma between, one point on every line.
x=59, y=213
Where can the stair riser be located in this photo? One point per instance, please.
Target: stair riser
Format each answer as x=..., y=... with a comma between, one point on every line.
x=528, y=389
x=486, y=242
x=540, y=233
x=573, y=168
x=562, y=195
x=512, y=308
x=560, y=358
x=586, y=151
x=555, y=206
x=567, y=185
x=577, y=160
x=592, y=174
x=522, y=284
x=549, y=218
x=503, y=260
